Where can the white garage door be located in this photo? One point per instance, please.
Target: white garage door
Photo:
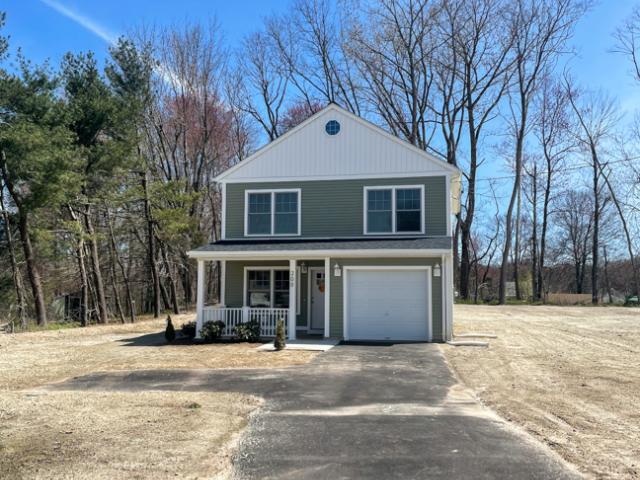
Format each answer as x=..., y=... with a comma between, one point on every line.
x=387, y=305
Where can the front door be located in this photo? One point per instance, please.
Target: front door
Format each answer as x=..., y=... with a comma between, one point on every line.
x=316, y=310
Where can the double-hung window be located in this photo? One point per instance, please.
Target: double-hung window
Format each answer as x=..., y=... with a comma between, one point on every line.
x=394, y=209
x=268, y=287
x=272, y=212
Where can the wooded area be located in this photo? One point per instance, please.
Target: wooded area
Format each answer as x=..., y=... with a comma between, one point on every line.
x=106, y=170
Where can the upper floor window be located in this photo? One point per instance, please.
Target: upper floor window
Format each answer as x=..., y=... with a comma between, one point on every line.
x=394, y=209
x=272, y=212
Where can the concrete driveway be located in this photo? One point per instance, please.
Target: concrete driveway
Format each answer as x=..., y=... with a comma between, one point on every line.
x=377, y=412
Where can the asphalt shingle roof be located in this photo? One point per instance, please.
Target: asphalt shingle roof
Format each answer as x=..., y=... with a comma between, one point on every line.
x=427, y=243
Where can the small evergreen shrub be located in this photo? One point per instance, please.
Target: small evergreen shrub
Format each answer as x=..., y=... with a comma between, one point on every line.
x=247, y=332
x=212, y=331
x=170, y=332
x=279, y=342
x=189, y=329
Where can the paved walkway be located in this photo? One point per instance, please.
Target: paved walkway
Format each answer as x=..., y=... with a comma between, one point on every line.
x=379, y=412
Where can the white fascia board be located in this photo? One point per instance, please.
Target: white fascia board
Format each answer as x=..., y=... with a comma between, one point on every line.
x=335, y=177
x=316, y=254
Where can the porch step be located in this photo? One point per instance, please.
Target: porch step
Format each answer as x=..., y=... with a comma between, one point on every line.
x=311, y=345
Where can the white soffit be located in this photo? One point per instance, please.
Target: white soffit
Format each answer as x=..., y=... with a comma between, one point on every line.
x=359, y=150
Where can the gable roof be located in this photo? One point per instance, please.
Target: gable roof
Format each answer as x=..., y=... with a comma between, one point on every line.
x=360, y=149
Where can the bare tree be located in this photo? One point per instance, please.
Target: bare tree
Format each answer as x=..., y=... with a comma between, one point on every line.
x=393, y=45
x=259, y=85
x=552, y=130
x=310, y=45
x=576, y=222
x=627, y=38
x=597, y=117
x=541, y=29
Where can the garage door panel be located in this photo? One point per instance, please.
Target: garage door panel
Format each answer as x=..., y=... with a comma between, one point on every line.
x=387, y=305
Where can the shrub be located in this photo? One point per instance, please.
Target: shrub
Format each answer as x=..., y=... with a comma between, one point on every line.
x=189, y=329
x=170, y=332
x=247, y=332
x=212, y=331
x=279, y=342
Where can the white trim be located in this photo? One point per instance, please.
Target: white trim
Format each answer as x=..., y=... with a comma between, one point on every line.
x=450, y=302
x=199, y=297
x=448, y=206
x=444, y=278
x=309, y=277
x=223, y=282
x=282, y=268
x=298, y=293
x=318, y=254
x=273, y=192
x=345, y=293
x=346, y=176
x=442, y=163
x=327, y=299
x=223, y=216
x=293, y=282
x=393, y=188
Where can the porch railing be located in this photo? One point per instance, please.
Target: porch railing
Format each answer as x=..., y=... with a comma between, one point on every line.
x=232, y=316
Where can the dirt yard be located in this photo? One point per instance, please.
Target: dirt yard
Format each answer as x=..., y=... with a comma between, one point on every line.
x=568, y=375
x=77, y=435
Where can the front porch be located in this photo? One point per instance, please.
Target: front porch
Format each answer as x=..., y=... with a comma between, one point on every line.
x=268, y=291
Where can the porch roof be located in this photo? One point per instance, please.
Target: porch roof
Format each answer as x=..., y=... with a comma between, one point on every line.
x=418, y=246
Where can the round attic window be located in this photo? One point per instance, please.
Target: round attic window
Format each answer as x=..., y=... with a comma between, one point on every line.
x=332, y=127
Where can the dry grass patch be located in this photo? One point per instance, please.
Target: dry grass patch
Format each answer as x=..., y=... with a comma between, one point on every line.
x=119, y=435
x=569, y=375
x=113, y=435
x=31, y=359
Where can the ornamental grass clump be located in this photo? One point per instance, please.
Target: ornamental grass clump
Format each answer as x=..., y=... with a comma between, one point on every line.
x=279, y=342
x=169, y=332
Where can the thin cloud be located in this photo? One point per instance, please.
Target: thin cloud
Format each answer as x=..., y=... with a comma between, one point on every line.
x=104, y=33
x=83, y=21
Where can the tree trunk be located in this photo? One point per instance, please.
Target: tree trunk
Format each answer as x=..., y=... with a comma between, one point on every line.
x=516, y=248
x=596, y=227
x=32, y=269
x=543, y=233
x=151, y=249
x=534, y=236
x=123, y=270
x=82, y=269
x=606, y=274
x=172, y=281
x=15, y=269
x=92, y=243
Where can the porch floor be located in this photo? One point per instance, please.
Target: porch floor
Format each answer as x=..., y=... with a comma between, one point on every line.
x=318, y=344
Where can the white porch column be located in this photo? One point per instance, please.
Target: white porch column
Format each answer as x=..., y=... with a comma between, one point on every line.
x=223, y=277
x=292, y=299
x=199, y=297
x=449, y=290
x=327, y=294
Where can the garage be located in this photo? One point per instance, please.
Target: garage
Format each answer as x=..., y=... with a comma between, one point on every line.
x=387, y=303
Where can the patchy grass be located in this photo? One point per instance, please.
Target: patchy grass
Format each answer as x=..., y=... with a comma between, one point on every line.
x=119, y=435
x=568, y=375
x=34, y=358
x=113, y=435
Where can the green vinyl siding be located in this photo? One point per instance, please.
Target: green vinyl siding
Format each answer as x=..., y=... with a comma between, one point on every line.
x=334, y=208
x=336, y=292
x=234, y=279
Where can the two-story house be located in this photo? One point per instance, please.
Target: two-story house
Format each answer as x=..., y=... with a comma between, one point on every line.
x=340, y=229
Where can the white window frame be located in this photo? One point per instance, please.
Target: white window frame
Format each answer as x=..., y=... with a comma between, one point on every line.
x=393, y=188
x=273, y=192
x=272, y=277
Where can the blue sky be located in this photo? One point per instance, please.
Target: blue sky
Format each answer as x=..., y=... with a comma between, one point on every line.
x=43, y=32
